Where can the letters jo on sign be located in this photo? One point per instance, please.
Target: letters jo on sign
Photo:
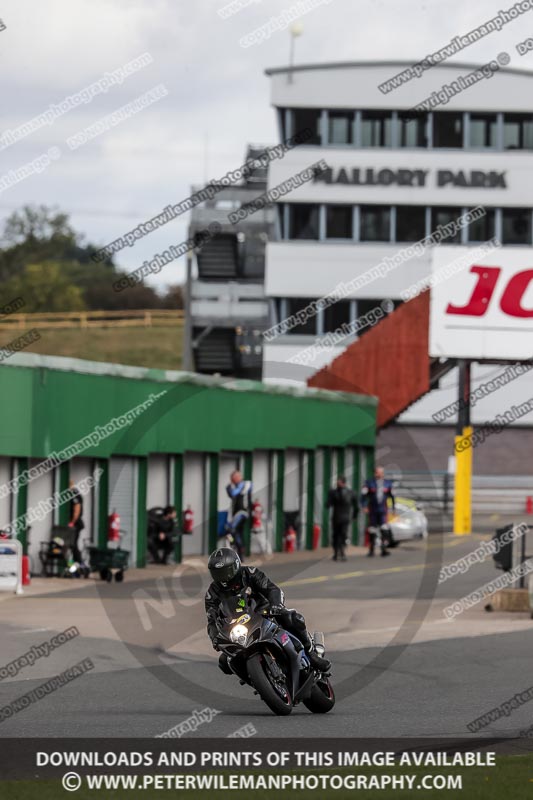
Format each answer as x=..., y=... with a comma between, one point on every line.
x=483, y=311
x=511, y=297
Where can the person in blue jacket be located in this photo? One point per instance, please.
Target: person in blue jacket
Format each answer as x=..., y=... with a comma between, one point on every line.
x=240, y=494
x=375, y=493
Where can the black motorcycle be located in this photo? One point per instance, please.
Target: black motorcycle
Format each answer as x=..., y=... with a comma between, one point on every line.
x=270, y=659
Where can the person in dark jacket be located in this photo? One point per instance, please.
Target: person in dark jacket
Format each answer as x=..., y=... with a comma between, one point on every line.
x=160, y=543
x=240, y=494
x=76, y=520
x=229, y=578
x=345, y=507
x=375, y=494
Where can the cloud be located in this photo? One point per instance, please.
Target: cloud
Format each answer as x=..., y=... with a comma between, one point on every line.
x=218, y=97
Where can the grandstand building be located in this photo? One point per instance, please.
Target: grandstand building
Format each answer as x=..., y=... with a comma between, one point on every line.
x=393, y=178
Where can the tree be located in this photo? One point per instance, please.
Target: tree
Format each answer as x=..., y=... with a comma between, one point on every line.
x=34, y=224
x=39, y=233
x=39, y=236
x=44, y=287
x=174, y=297
x=96, y=282
x=34, y=235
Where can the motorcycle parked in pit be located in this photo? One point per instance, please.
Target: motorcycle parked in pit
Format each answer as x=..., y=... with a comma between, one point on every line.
x=270, y=659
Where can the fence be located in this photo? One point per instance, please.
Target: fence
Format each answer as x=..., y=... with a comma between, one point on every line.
x=433, y=490
x=135, y=318
x=491, y=494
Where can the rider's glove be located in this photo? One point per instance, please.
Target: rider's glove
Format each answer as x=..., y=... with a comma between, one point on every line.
x=277, y=610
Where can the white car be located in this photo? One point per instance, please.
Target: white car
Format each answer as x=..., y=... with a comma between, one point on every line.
x=407, y=521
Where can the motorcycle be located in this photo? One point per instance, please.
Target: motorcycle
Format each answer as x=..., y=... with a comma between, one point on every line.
x=271, y=660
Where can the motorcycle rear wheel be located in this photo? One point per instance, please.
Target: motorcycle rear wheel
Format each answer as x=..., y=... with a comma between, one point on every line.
x=261, y=682
x=322, y=698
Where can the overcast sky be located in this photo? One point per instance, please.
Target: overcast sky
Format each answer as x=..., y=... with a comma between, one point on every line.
x=218, y=96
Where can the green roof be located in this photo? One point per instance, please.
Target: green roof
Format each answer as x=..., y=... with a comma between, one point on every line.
x=49, y=403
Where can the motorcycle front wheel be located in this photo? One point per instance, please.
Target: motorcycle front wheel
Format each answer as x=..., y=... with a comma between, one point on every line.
x=322, y=698
x=278, y=700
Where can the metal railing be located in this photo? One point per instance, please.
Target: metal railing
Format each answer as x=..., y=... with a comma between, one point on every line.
x=432, y=490
x=491, y=494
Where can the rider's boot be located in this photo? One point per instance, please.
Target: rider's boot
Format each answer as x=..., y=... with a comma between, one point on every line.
x=317, y=662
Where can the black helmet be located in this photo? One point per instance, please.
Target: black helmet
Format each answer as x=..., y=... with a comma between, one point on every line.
x=224, y=565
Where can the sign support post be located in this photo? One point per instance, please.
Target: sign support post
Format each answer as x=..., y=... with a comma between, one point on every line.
x=462, y=500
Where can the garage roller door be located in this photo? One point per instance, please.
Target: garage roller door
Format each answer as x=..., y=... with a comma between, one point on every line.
x=123, y=500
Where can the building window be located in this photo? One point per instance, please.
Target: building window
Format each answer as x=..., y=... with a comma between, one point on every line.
x=280, y=211
x=516, y=226
x=444, y=215
x=340, y=127
x=447, y=129
x=518, y=132
x=483, y=228
x=375, y=223
x=376, y=129
x=276, y=310
x=303, y=221
x=410, y=223
x=296, y=304
x=483, y=130
x=412, y=132
x=339, y=222
x=307, y=119
x=336, y=316
x=367, y=309
x=282, y=118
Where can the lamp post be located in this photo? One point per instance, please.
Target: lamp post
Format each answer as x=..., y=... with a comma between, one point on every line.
x=295, y=30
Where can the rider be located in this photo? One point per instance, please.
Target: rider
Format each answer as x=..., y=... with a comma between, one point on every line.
x=229, y=578
x=240, y=494
x=375, y=494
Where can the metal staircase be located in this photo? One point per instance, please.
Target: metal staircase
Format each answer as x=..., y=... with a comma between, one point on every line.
x=214, y=351
x=217, y=259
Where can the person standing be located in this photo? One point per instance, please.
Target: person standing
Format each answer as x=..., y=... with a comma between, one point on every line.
x=240, y=494
x=76, y=519
x=160, y=540
x=375, y=494
x=345, y=507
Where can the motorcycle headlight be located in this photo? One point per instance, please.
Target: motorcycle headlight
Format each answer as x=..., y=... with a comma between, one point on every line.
x=239, y=634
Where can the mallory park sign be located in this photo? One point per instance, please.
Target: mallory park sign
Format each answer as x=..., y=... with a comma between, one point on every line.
x=412, y=177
